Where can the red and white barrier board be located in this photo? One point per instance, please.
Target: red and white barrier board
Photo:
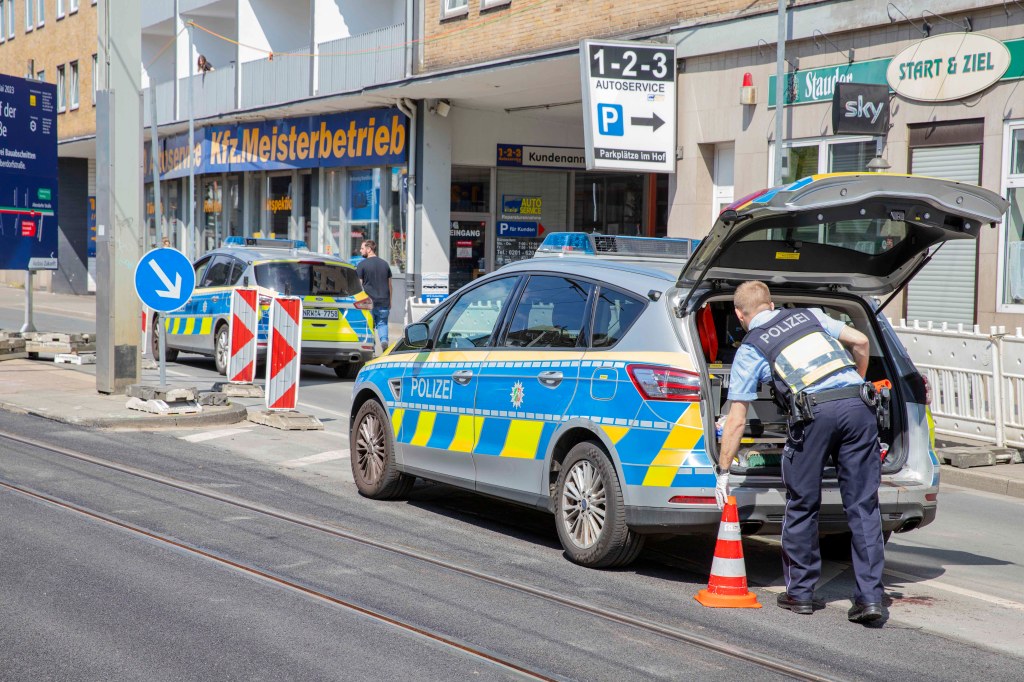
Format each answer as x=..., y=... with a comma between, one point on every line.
x=245, y=317
x=282, y=389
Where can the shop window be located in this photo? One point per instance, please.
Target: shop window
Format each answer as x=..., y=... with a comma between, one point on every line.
x=396, y=208
x=212, y=198
x=279, y=204
x=530, y=204
x=1012, y=236
x=610, y=203
x=363, y=209
x=471, y=190
x=812, y=157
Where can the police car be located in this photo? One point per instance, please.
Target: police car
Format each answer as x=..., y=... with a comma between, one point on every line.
x=337, y=326
x=589, y=384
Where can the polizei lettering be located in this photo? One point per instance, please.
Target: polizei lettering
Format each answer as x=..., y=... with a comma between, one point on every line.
x=431, y=389
x=776, y=331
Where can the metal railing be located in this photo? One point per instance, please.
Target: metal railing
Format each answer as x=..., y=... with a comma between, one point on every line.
x=358, y=61
x=277, y=79
x=976, y=379
x=214, y=93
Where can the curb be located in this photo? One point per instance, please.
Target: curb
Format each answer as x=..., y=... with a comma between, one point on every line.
x=983, y=481
x=211, y=416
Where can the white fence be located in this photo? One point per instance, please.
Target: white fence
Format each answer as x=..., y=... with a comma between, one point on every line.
x=976, y=379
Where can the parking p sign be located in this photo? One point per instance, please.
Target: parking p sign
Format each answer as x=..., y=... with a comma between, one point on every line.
x=629, y=105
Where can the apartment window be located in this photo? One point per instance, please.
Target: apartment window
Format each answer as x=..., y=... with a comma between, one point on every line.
x=95, y=79
x=62, y=94
x=40, y=12
x=74, y=6
x=10, y=19
x=60, y=9
x=488, y=4
x=1011, y=237
x=41, y=75
x=73, y=90
x=454, y=8
x=3, y=21
x=30, y=15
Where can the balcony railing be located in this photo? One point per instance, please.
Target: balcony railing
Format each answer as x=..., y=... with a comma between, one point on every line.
x=164, y=103
x=214, y=93
x=359, y=61
x=272, y=81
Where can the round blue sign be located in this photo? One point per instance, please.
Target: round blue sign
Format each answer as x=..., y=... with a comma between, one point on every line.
x=164, y=279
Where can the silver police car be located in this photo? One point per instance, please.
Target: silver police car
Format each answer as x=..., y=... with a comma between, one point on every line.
x=588, y=380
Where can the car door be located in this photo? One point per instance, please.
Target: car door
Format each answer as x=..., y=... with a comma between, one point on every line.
x=439, y=426
x=527, y=383
x=181, y=324
x=211, y=301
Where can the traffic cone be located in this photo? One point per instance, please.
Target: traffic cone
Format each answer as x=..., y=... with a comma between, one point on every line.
x=727, y=586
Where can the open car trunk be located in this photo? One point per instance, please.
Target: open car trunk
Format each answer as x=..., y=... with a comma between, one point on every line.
x=719, y=334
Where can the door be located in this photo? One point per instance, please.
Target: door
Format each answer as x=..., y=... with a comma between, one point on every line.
x=527, y=384
x=439, y=426
x=944, y=291
x=467, y=251
x=212, y=301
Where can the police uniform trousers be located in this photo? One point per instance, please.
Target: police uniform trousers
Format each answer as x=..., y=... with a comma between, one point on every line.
x=847, y=432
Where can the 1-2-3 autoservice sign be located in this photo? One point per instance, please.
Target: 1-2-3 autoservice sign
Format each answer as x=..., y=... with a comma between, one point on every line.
x=28, y=174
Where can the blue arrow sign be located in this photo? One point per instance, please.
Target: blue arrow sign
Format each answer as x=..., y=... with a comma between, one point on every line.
x=164, y=279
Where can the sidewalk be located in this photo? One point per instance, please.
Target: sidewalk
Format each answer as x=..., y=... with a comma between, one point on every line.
x=67, y=393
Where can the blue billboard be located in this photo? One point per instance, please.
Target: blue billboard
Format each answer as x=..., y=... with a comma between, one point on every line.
x=28, y=174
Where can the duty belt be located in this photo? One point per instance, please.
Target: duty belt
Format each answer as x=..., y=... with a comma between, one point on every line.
x=831, y=394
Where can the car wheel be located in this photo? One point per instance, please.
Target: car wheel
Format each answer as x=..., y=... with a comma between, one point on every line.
x=220, y=350
x=590, y=514
x=373, y=455
x=170, y=354
x=348, y=370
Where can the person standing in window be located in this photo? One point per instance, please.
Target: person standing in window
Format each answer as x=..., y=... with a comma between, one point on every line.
x=375, y=274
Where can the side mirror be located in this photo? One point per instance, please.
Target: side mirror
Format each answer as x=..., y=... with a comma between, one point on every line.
x=417, y=335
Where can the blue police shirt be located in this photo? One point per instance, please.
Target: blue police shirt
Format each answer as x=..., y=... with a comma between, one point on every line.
x=750, y=368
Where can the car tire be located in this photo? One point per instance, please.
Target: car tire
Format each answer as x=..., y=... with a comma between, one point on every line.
x=590, y=514
x=372, y=445
x=170, y=354
x=221, y=350
x=348, y=370
x=836, y=547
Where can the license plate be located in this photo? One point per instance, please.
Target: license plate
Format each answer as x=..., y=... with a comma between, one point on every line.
x=320, y=313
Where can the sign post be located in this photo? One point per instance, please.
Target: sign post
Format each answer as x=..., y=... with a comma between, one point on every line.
x=629, y=105
x=164, y=281
x=28, y=180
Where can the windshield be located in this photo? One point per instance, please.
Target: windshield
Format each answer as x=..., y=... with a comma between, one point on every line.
x=308, y=278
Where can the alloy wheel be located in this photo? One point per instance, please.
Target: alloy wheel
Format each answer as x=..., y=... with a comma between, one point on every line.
x=584, y=505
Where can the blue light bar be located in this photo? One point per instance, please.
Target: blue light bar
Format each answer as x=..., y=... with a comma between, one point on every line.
x=581, y=243
x=567, y=242
x=259, y=242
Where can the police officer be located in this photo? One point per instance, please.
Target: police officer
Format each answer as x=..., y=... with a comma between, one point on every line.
x=803, y=353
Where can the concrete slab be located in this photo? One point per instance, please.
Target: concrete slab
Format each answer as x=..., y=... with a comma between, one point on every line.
x=75, y=358
x=164, y=393
x=154, y=406
x=287, y=420
x=239, y=390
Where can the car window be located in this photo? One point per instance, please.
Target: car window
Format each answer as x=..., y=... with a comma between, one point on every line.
x=218, y=274
x=308, y=278
x=431, y=321
x=200, y=267
x=472, y=319
x=614, y=313
x=237, y=268
x=550, y=313
x=870, y=236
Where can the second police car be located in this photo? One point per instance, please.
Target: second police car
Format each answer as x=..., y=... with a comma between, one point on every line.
x=337, y=326
x=590, y=386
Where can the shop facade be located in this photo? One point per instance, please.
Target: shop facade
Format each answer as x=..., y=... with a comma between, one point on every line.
x=331, y=180
x=954, y=112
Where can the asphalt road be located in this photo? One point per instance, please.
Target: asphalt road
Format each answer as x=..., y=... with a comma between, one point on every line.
x=85, y=600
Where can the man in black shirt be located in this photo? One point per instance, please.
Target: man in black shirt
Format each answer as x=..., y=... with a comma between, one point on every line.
x=376, y=276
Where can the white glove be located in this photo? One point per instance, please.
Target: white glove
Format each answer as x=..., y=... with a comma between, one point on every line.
x=722, y=489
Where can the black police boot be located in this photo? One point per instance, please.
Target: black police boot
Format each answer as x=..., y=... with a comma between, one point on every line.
x=801, y=606
x=865, y=613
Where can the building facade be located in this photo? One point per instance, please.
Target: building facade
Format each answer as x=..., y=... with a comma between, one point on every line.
x=55, y=41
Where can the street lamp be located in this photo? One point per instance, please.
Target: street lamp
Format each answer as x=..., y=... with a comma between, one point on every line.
x=878, y=164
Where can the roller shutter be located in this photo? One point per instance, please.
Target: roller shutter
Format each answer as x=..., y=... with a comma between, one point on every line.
x=944, y=291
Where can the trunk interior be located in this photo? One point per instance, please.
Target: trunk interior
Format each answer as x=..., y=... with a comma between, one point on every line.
x=720, y=334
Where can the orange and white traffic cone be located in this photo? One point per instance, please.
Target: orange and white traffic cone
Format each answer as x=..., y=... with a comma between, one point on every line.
x=727, y=586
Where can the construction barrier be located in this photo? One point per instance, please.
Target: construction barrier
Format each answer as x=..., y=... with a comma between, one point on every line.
x=245, y=316
x=282, y=389
x=976, y=379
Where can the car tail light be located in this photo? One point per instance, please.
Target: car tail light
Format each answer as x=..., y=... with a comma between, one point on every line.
x=692, y=499
x=931, y=497
x=364, y=303
x=665, y=383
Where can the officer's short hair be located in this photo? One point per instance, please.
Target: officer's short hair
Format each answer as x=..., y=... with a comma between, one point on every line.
x=750, y=296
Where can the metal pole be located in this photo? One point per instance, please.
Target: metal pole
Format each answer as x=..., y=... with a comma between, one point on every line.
x=996, y=340
x=154, y=147
x=162, y=350
x=780, y=93
x=28, y=326
x=191, y=158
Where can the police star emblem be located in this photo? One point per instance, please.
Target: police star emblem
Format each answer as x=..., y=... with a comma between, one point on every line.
x=517, y=394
